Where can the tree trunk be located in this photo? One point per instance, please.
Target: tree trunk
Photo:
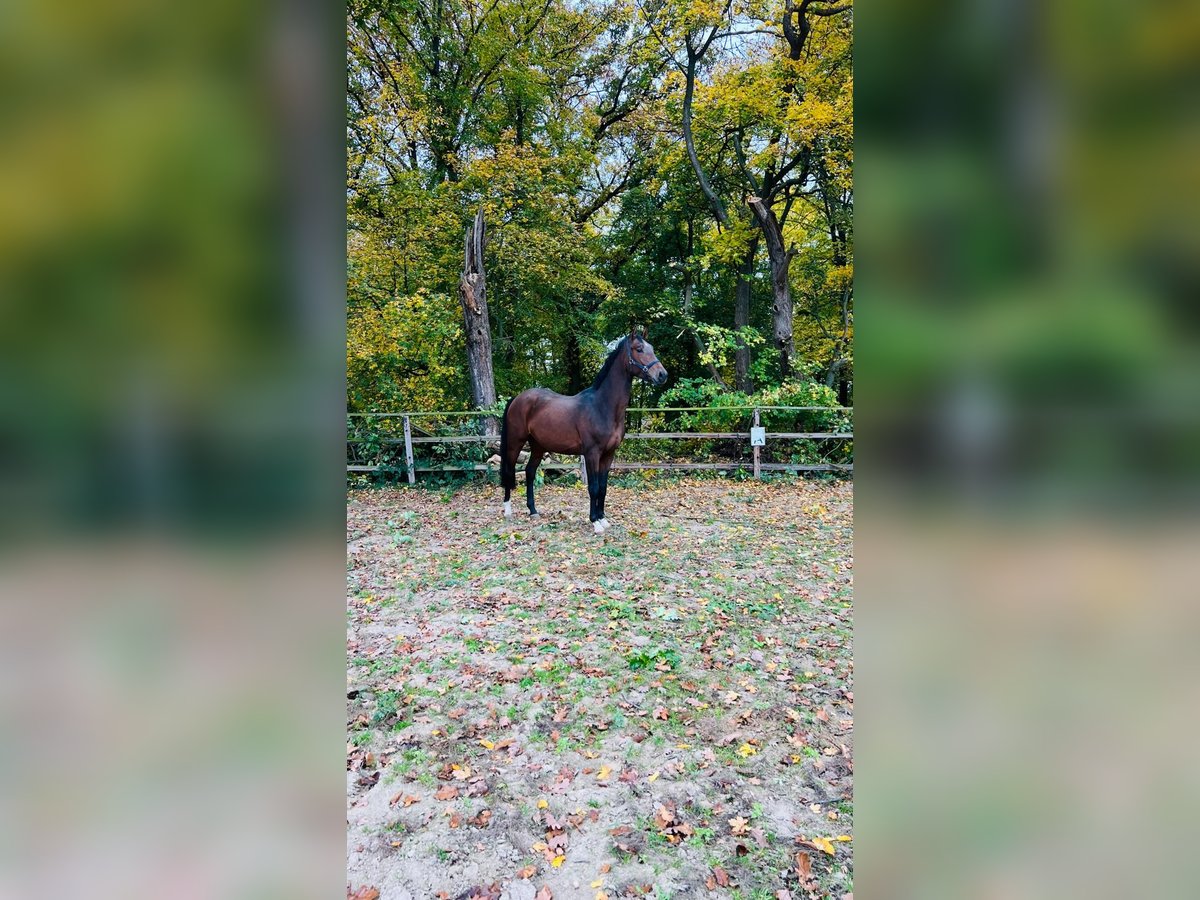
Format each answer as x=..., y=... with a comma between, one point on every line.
x=472, y=293
x=741, y=318
x=781, y=307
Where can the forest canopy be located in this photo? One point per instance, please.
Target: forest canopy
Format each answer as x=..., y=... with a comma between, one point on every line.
x=683, y=165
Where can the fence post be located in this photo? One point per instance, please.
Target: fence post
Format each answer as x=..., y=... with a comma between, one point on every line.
x=757, y=472
x=408, y=454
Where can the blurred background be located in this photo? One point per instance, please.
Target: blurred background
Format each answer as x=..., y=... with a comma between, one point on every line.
x=172, y=252
x=1028, y=277
x=171, y=447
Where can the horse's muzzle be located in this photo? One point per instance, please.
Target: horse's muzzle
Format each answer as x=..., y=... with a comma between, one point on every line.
x=661, y=378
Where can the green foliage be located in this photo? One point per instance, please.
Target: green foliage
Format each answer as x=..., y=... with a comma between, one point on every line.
x=652, y=658
x=725, y=410
x=562, y=122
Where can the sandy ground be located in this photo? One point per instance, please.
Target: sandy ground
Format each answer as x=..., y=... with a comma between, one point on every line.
x=538, y=712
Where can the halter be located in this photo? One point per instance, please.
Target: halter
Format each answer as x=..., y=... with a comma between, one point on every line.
x=645, y=368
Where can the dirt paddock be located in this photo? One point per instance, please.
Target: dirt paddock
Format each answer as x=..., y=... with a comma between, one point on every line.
x=536, y=711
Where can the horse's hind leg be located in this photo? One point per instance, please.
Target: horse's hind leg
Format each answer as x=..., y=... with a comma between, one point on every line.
x=536, y=453
x=508, y=465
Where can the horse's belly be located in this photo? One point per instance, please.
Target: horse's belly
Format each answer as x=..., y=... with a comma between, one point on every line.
x=553, y=426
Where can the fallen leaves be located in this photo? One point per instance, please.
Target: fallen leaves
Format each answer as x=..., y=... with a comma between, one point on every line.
x=670, y=825
x=482, y=819
x=489, y=892
x=363, y=893
x=718, y=878
x=803, y=865
x=624, y=843
x=731, y=692
x=817, y=843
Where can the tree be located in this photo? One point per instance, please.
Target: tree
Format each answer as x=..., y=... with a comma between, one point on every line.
x=472, y=294
x=615, y=150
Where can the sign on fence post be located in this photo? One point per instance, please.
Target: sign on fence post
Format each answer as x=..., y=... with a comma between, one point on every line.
x=408, y=454
x=758, y=438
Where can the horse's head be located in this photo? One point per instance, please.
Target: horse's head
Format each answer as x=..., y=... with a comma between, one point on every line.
x=642, y=362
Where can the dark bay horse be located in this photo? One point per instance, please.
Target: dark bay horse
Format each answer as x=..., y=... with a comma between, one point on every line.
x=591, y=424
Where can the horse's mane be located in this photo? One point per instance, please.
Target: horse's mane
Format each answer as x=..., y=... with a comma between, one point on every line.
x=608, y=363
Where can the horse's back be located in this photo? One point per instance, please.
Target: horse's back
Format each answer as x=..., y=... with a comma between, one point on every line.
x=549, y=418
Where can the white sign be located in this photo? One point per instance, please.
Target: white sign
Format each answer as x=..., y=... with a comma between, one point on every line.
x=758, y=436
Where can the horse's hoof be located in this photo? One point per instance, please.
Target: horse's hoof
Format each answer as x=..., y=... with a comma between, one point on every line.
x=508, y=510
x=535, y=515
x=605, y=524
x=597, y=527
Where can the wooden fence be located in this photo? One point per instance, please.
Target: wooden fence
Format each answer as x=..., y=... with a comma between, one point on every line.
x=413, y=467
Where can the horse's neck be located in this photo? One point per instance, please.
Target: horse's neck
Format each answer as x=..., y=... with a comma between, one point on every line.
x=614, y=392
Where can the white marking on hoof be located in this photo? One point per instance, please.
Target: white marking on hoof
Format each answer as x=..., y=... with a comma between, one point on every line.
x=508, y=509
x=597, y=527
x=605, y=524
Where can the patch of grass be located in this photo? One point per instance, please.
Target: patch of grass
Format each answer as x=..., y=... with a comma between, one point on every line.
x=650, y=658
x=617, y=609
x=386, y=705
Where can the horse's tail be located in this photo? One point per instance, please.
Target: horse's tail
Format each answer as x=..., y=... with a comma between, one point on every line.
x=508, y=470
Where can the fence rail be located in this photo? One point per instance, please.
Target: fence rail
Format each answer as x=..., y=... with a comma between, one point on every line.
x=409, y=440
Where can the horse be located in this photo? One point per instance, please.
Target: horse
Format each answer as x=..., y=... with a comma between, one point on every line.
x=590, y=423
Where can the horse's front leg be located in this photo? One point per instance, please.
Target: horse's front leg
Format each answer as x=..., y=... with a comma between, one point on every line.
x=606, y=462
x=591, y=462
